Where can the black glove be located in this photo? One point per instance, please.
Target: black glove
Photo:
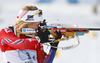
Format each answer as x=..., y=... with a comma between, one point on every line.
x=59, y=35
x=43, y=35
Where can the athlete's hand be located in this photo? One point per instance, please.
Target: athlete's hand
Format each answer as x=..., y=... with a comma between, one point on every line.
x=59, y=35
x=43, y=35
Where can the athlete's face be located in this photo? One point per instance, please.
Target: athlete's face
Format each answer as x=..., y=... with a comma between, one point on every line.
x=34, y=25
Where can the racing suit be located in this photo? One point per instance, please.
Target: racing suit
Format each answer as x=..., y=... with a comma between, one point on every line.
x=23, y=49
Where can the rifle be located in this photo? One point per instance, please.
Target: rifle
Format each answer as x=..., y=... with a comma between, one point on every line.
x=67, y=32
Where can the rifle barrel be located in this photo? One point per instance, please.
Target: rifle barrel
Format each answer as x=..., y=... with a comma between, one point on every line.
x=82, y=29
x=91, y=29
x=94, y=29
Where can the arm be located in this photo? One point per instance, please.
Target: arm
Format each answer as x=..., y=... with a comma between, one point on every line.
x=45, y=59
x=50, y=57
x=44, y=38
x=12, y=40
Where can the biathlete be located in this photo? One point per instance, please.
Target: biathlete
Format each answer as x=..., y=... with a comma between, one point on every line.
x=27, y=48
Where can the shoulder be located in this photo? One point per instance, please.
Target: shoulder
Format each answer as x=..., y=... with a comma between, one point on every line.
x=6, y=30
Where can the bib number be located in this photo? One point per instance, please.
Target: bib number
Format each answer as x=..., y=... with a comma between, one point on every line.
x=28, y=55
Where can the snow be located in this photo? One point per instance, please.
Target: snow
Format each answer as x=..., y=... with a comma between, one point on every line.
x=89, y=49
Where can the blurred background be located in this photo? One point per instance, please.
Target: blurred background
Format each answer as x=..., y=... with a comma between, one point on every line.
x=84, y=13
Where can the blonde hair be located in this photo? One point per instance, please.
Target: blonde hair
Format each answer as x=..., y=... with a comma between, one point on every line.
x=21, y=24
x=29, y=8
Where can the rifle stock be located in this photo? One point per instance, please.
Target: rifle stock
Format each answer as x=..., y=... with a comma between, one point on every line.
x=68, y=31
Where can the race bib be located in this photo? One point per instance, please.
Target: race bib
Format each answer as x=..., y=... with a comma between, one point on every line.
x=30, y=55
